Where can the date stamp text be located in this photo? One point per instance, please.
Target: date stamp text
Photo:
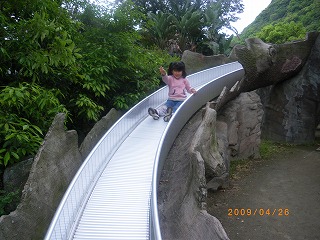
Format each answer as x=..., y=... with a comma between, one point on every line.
x=258, y=212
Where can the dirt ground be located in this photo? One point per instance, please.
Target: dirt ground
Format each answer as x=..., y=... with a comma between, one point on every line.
x=273, y=198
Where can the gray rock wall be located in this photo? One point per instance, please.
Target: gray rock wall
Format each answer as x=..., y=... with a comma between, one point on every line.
x=54, y=166
x=292, y=108
x=196, y=62
x=243, y=117
x=182, y=191
x=193, y=166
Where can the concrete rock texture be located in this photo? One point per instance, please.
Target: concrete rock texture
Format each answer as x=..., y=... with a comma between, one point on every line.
x=267, y=64
x=54, y=166
x=192, y=167
x=182, y=193
x=292, y=107
x=205, y=146
x=16, y=176
x=196, y=62
x=243, y=117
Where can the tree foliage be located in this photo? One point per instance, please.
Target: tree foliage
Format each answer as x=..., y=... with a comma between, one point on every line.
x=286, y=14
x=189, y=22
x=26, y=110
x=67, y=56
x=160, y=28
x=282, y=32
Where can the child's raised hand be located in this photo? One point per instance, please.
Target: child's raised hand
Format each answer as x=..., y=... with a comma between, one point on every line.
x=162, y=71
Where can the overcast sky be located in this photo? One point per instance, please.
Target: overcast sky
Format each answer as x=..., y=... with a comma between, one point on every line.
x=252, y=8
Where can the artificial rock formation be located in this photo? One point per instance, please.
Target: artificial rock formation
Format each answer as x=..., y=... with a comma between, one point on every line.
x=186, y=177
x=196, y=62
x=205, y=146
x=182, y=191
x=291, y=69
x=193, y=167
x=267, y=64
x=54, y=166
x=14, y=179
x=292, y=107
x=243, y=117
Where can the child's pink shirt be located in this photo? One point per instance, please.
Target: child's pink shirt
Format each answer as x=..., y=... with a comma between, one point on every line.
x=177, y=87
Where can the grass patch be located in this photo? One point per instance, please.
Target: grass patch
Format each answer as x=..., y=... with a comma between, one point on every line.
x=242, y=167
x=239, y=165
x=267, y=150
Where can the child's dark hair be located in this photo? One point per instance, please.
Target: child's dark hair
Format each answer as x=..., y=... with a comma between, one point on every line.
x=177, y=66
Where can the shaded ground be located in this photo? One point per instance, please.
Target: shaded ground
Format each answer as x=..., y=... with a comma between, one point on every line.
x=286, y=186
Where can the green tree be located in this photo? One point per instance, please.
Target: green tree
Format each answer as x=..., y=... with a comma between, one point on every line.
x=36, y=41
x=189, y=25
x=36, y=50
x=282, y=32
x=194, y=20
x=116, y=69
x=286, y=11
x=160, y=29
x=26, y=111
x=146, y=7
x=68, y=56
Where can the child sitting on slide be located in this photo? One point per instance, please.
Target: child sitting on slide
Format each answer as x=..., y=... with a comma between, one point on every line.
x=178, y=86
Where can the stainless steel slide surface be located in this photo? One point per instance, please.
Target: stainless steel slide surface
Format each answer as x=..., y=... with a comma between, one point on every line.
x=113, y=195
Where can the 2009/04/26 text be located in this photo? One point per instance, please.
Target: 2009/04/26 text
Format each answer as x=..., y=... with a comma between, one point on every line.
x=258, y=212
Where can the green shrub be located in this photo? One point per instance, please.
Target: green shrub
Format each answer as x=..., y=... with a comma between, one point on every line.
x=8, y=201
x=26, y=111
x=19, y=138
x=282, y=32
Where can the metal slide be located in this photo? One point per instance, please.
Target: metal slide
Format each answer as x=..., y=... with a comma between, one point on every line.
x=114, y=193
